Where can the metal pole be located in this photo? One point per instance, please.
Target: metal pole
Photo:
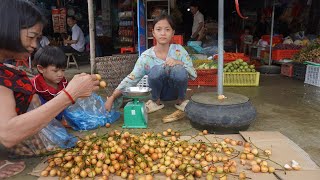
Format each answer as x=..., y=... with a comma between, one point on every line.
x=91, y=35
x=220, y=46
x=271, y=35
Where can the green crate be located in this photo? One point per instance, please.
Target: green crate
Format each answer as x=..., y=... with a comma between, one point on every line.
x=241, y=78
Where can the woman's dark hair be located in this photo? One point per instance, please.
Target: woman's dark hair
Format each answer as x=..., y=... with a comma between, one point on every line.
x=164, y=16
x=50, y=55
x=14, y=16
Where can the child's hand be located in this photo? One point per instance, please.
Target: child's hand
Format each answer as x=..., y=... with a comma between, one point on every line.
x=109, y=103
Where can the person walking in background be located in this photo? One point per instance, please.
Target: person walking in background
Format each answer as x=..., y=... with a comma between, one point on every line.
x=198, y=21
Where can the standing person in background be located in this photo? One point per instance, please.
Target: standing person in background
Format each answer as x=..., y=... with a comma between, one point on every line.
x=77, y=42
x=198, y=21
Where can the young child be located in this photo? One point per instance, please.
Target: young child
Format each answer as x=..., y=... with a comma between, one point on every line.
x=51, y=63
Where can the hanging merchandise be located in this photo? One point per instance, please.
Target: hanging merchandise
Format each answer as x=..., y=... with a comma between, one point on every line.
x=238, y=10
x=62, y=20
x=59, y=17
x=56, y=20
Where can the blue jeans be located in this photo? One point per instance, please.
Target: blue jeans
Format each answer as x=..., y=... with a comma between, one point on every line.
x=168, y=83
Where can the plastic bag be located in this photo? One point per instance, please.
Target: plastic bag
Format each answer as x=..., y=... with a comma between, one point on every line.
x=53, y=136
x=89, y=113
x=210, y=50
x=196, y=45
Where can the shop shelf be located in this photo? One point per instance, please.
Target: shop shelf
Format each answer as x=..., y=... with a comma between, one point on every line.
x=241, y=79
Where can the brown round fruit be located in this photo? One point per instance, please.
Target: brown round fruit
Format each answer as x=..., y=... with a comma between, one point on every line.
x=108, y=125
x=103, y=84
x=98, y=77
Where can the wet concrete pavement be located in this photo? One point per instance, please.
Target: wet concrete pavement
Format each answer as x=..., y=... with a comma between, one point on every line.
x=283, y=104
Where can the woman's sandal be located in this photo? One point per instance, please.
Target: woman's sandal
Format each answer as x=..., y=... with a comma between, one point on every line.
x=151, y=106
x=9, y=169
x=182, y=106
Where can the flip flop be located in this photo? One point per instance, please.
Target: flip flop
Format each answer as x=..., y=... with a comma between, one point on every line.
x=151, y=106
x=14, y=170
x=182, y=106
x=174, y=116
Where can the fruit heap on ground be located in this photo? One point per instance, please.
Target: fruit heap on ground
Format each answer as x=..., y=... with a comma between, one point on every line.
x=145, y=155
x=238, y=66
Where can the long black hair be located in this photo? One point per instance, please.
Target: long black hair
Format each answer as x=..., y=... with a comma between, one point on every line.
x=14, y=16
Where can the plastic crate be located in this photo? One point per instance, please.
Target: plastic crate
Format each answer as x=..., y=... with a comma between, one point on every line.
x=241, y=79
x=204, y=80
x=299, y=71
x=287, y=69
x=275, y=39
x=198, y=62
x=283, y=54
x=312, y=75
x=143, y=82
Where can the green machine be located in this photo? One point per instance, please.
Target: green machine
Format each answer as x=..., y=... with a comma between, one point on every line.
x=135, y=115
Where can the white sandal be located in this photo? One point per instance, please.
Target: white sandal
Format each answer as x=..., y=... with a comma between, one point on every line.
x=152, y=106
x=182, y=106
